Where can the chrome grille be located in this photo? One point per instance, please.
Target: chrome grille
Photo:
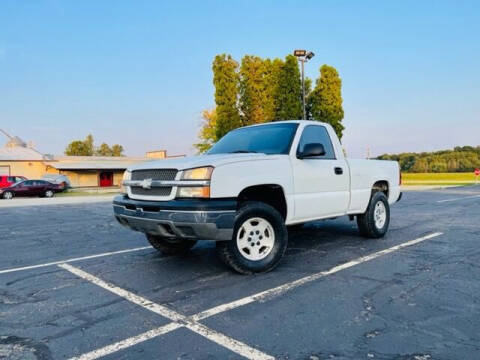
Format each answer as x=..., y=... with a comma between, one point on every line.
x=154, y=174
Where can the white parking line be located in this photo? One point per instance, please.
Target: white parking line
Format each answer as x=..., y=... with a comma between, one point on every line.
x=124, y=344
x=460, y=198
x=192, y=322
x=74, y=259
x=179, y=319
x=289, y=286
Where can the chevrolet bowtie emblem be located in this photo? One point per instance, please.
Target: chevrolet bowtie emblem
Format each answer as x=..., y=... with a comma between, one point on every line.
x=147, y=183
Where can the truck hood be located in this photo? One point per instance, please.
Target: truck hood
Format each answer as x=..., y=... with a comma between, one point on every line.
x=190, y=162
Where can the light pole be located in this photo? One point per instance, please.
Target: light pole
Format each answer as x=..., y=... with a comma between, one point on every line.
x=303, y=56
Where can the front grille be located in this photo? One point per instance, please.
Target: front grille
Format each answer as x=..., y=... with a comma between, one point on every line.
x=161, y=191
x=154, y=174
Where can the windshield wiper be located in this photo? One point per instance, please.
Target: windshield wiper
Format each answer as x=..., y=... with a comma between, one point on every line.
x=243, y=152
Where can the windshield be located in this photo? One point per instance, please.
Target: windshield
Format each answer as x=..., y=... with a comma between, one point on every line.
x=266, y=139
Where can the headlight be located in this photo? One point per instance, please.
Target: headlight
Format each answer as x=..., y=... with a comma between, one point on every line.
x=201, y=173
x=194, y=192
x=127, y=175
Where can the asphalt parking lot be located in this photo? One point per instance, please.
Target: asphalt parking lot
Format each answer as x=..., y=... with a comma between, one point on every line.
x=74, y=283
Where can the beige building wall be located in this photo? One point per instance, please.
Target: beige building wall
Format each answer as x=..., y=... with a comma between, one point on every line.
x=78, y=178
x=29, y=169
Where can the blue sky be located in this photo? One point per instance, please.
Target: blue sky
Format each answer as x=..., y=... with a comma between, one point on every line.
x=138, y=73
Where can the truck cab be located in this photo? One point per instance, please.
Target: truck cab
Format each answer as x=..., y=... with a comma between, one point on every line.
x=251, y=185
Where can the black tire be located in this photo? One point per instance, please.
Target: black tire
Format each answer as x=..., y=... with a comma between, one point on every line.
x=366, y=221
x=229, y=252
x=170, y=246
x=8, y=195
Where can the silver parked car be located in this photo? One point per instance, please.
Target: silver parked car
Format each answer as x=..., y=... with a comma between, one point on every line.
x=58, y=179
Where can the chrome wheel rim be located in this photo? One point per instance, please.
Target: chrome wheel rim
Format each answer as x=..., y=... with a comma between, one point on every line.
x=255, y=239
x=380, y=215
x=8, y=195
x=49, y=193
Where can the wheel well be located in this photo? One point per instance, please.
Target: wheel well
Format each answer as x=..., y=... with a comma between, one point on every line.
x=381, y=186
x=270, y=194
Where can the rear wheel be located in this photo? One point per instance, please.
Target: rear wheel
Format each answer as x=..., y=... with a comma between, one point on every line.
x=8, y=195
x=259, y=239
x=375, y=221
x=170, y=246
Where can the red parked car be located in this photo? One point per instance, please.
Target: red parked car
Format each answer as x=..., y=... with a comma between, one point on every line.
x=9, y=180
x=40, y=188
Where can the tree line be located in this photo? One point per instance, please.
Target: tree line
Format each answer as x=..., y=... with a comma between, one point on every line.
x=460, y=159
x=258, y=90
x=87, y=148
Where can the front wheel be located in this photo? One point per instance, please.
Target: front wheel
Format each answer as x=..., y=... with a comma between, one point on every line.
x=49, y=193
x=375, y=221
x=169, y=246
x=8, y=195
x=259, y=239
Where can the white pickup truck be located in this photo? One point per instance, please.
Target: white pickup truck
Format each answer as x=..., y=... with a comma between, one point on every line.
x=250, y=186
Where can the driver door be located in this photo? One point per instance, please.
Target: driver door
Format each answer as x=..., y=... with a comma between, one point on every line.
x=24, y=188
x=322, y=182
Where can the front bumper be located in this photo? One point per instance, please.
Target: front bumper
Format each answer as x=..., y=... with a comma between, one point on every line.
x=193, y=219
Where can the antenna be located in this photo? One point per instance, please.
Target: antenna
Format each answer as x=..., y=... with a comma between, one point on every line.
x=6, y=134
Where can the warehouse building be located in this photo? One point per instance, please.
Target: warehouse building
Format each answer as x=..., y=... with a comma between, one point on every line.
x=22, y=159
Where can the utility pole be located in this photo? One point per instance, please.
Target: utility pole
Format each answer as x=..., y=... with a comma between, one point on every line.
x=303, y=56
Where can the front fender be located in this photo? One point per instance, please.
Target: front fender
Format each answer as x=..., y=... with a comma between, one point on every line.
x=229, y=180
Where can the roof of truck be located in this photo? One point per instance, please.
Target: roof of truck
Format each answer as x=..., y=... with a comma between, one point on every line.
x=313, y=122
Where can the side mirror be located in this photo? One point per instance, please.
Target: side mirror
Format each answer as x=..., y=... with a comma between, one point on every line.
x=311, y=150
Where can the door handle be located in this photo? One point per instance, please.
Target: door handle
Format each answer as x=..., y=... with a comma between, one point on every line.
x=338, y=171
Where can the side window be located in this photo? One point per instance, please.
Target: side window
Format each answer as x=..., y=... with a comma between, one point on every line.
x=11, y=179
x=28, y=183
x=317, y=134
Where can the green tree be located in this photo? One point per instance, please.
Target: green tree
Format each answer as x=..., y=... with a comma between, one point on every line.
x=77, y=148
x=87, y=148
x=117, y=150
x=288, y=95
x=255, y=91
x=207, y=134
x=225, y=80
x=273, y=69
x=104, y=150
x=89, y=145
x=326, y=99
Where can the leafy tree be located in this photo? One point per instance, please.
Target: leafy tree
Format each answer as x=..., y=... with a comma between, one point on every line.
x=273, y=69
x=77, y=148
x=460, y=159
x=207, y=134
x=89, y=144
x=87, y=148
x=288, y=95
x=308, y=97
x=104, y=150
x=253, y=90
x=225, y=80
x=117, y=150
x=326, y=99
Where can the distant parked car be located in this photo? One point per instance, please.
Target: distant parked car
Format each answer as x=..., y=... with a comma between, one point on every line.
x=58, y=179
x=40, y=188
x=9, y=180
